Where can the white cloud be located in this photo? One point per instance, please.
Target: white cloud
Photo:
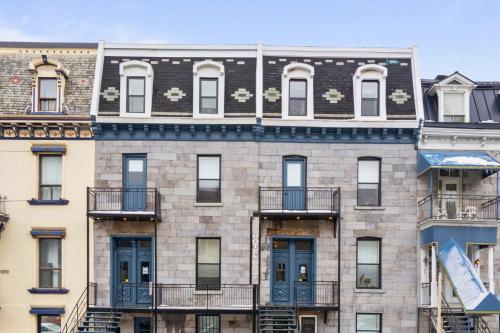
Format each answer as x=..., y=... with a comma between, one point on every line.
x=8, y=33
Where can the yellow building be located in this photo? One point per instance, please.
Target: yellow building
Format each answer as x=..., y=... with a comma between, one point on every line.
x=46, y=162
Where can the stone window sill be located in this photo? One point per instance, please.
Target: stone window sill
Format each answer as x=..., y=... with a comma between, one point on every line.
x=369, y=291
x=60, y=202
x=208, y=204
x=48, y=291
x=369, y=208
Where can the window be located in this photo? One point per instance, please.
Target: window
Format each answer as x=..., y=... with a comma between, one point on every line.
x=207, y=263
x=297, y=86
x=47, y=94
x=207, y=324
x=50, y=177
x=297, y=98
x=370, y=92
x=209, y=179
x=369, y=182
x=208, y=89
x=136, y=88
x=369, y=98
x=49, y=324
x=50, y=263
x=453, y=107
x=208, y=96
x=142, y=325
x=368, y=263
x=135, y=94
x=368, y=322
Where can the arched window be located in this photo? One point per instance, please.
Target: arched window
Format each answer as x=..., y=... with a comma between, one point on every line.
x=208, y=89
x=298, y=94
x=369, y=92
x=48, y=85
x=136, y=89
x=368, y=263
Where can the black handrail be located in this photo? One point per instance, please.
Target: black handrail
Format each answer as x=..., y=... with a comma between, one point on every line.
x=468, y=207
x=307, y=199
x=76, y=315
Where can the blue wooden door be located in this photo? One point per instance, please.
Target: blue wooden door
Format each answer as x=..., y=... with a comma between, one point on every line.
x=134, y=182
x=281, y=288
x=294, y=183
x=132, y=272
x=304, y=271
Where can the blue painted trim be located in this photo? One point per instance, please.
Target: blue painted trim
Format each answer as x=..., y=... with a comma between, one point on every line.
x=48, y=290
x=461, y=234
x=47, y=311
x=313, y=239
x=48, y=149
x=36, y=202
x=252, y=132
x=58, y=233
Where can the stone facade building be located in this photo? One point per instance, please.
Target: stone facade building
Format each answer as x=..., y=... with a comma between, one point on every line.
x=46, y=161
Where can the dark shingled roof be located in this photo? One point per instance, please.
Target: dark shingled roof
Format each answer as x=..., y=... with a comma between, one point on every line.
x=484, y=105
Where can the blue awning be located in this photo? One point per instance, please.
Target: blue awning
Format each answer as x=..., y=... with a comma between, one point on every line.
x=442, y=159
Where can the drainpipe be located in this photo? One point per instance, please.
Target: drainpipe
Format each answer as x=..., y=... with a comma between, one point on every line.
x=491, y=281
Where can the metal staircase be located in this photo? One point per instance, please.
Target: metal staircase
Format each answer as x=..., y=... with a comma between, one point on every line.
x=273, y=319
x=83, y=319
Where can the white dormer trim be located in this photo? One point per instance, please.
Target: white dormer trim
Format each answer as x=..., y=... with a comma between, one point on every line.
x=297, y=71
x=464, y=86
x=45, y=67
x=208, y=69
x=136, y=68
x=370, y=72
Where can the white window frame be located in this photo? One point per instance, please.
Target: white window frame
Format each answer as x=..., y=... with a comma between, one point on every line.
x=208, y=69
x=293, y=72
x=136, y=68
x=309, y=316
x=370, y=72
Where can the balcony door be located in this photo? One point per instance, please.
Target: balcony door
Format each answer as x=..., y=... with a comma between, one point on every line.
x=132, y=272
x=294, y=183
x=292, y=271
x=450, y=201
x=134, y=182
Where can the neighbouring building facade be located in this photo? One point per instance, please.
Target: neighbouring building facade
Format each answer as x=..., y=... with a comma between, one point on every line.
x=46, y=161
x=254, y=188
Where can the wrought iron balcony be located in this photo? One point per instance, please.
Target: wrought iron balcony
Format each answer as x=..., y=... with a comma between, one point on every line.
x=124, y=203
x=316, y=295
x=458, y=207
x=300, y=202
x=4, y=217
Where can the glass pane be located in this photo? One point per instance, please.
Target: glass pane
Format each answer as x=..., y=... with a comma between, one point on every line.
x=208, y=191
x=48, y=105
x=368, y=276
x=368, y=251
x=208, y=251
x=303, y=245
x=48, y=88
x=368, y=171
x=208, y=88
x=208, y=324
x=135, y=104
x=294, y=174
x=208, y=167
x=297, y=107
x=50, y=253
x=368, y=195
x=280, y=273
x=124, y=272
x=50, y=278
x=145, y=243
x=50, y=324
x=51, y=170
x=145, y=271
x=144, y=325
x=368, y=322
x=453, y=103
x=280, y=244
x=369, y=107
x=208, y=105
x=208, y=271
x=369, y=89
x=124, y=243
x=298, y=89
x=136, y=86
x=135, y=165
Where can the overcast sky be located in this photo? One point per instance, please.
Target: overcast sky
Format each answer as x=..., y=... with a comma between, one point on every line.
x=461, y=35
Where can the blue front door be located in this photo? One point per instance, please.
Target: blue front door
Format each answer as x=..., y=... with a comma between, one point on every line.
x=132, y=272
x=292, y=271
x=294, y=183
x=134, y=182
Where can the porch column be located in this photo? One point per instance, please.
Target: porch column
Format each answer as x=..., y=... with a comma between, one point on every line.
x=434, y=283
x=477, y=257
x=423, y=276
x=491, y=281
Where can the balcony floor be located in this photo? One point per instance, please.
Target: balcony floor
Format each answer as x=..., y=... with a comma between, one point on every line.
x=123, y=215
x=298, y=214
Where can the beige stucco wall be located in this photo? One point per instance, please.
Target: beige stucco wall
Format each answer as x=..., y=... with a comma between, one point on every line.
x=19, y=251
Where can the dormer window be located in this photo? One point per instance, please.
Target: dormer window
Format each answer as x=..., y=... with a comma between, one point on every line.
x=208, y=89
x=453, y=93
x=297, y=86
x=49, y=82
x=136, y=89
x=369, y=92
x=370, y=98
